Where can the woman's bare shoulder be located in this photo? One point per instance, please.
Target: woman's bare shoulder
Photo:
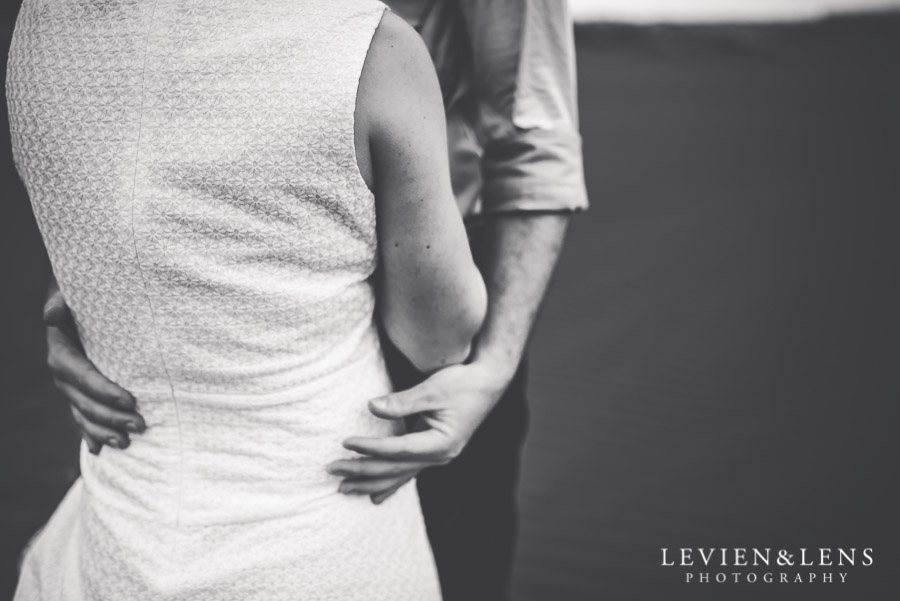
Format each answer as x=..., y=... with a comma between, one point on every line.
x=397, y=51
x=398, y=72
x=398, y=81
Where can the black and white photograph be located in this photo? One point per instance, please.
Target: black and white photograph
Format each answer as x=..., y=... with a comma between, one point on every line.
x=450, y=300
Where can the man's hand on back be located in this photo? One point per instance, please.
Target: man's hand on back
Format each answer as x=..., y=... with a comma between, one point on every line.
x=518, y=253
x=444, y=410
x=104, y=412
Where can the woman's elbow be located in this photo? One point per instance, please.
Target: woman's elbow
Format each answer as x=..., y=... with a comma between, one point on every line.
x=447, y=337
x=467, y=322
x=476, y=307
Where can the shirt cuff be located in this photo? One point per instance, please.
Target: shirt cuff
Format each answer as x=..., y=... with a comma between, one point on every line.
x=535, y=170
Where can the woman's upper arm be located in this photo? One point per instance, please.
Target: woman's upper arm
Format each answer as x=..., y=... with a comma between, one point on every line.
x=428, y=275
x=400, y=100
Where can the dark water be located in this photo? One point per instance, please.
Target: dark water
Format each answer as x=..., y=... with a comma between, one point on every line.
x=717, y=362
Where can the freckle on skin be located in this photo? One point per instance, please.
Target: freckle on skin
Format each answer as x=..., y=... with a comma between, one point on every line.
x=429, y=246
x=396, y=244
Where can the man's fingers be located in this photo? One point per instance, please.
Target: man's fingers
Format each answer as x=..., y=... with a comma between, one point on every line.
x=417, y=446
x=55, y=307
x=100, y=433
x=380, y=497
x=100, y=414
x=367, y=467
x=404, y=403
x=68, y=364
x=94, y=446
x=370, y=486
x=56, y=311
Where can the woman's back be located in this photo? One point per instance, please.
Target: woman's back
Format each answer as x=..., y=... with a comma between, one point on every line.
x=204, y=151
x=198, y=193
x=192, y=168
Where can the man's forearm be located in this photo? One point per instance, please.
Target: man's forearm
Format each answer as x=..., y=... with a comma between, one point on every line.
x=517, y=255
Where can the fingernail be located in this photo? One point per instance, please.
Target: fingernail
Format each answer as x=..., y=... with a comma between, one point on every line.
x=113, y=442
x=135, y=427
x=344, y=488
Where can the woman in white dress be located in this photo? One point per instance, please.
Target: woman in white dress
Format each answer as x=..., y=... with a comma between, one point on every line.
x=202, y=172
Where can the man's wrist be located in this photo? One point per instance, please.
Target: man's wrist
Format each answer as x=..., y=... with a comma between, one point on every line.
x=498, y=366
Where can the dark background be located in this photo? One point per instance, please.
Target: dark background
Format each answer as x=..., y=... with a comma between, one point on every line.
x=717, y=362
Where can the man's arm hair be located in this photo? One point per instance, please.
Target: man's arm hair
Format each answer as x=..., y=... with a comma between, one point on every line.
x=517, y=256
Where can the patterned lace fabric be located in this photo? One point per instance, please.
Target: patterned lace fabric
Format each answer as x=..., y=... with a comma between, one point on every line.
x=192, y=169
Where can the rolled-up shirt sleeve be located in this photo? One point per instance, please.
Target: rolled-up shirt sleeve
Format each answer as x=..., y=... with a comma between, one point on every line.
x=526, y=121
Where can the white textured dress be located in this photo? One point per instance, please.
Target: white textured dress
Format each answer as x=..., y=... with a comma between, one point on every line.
x=191, y=165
